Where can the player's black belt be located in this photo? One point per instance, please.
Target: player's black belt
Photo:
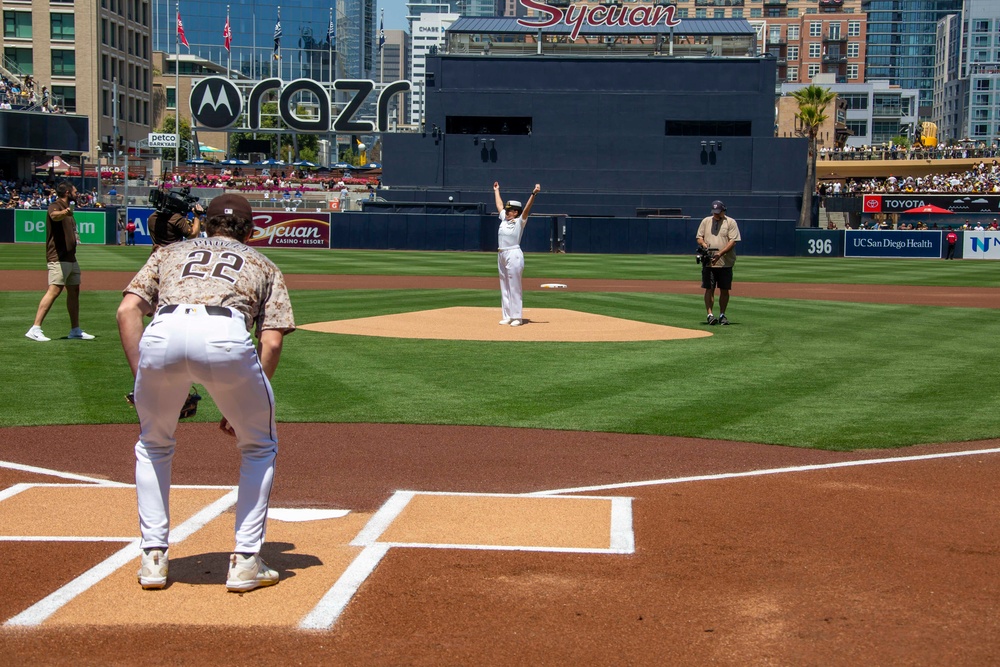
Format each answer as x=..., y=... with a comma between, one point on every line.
x=219, y=311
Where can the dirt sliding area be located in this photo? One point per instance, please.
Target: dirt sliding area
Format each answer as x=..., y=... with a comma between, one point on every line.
x=428, y=545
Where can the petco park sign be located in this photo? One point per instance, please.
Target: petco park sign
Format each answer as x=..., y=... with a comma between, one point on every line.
x=578, y=16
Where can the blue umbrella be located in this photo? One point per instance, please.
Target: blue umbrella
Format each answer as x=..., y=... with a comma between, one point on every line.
x=305, y=163
x=234, y=161
x=270, y=162
x=199, y=160
x=342, y=165
x=370, y=165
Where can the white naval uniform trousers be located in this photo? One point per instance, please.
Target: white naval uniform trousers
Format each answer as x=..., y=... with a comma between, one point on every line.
x=510, y=263
x=178, y=349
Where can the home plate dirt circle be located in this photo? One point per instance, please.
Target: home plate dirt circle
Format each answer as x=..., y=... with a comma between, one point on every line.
x=540, y=325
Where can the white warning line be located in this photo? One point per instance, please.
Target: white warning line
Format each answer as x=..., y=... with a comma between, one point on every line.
x=44, y=608
x=769, y=471
x=58, y=473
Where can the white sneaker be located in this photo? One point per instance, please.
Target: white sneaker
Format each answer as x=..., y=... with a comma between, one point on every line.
x=35, y=333
x=79, y=334
x=153, y=571
x=515, y=323
x=505, y=320
x=249, y=572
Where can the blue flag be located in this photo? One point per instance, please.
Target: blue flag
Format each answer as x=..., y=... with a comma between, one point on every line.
x=330, y=30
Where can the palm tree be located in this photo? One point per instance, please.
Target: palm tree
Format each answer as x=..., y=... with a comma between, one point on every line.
x=812, y=101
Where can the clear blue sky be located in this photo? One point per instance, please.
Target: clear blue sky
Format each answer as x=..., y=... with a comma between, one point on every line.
x=395, y=14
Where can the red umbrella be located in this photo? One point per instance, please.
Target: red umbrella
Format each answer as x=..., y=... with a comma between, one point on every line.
x=930, y=208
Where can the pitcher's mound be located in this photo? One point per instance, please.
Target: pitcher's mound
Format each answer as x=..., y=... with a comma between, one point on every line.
x=540, y=324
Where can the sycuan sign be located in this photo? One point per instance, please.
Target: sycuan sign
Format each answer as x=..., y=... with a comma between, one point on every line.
x=578, y=16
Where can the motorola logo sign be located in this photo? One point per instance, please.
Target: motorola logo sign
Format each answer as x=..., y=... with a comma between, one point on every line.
x=216, y=103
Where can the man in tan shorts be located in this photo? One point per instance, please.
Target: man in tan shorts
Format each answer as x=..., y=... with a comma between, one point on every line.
x=61, y=239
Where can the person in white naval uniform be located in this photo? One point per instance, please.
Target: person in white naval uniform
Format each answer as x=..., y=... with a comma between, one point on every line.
x=510, y=259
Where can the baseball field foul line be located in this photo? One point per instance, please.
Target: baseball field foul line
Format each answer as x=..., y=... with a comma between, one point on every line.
x=769, y=471
x=56, y=473
x=39, y=612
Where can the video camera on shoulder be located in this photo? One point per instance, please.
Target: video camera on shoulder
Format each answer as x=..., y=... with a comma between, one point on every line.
x=704, y=256
x=172, y=201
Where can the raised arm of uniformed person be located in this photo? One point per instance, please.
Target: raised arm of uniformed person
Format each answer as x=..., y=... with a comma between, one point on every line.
x=496, y=195
x=530, y=202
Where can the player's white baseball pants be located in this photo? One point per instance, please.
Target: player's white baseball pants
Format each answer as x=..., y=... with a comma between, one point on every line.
x=510, y=262
x=177, y=349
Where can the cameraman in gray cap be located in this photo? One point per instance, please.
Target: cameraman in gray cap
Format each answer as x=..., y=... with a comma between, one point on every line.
x=718, y=234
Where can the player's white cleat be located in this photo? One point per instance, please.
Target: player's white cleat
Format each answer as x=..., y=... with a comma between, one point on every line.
x=505, y=320
x=249, y=572
x=35, y=333
x=515, y=323
x=153, y=571
x=79, y=334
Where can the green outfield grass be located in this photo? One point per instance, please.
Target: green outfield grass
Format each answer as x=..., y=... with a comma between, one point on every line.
x=802, y=373
x=545, y=265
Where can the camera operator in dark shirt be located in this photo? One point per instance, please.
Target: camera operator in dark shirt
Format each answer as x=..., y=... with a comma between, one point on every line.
x=169, y=223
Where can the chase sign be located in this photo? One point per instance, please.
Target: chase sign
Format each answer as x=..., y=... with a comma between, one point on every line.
x=217, y=103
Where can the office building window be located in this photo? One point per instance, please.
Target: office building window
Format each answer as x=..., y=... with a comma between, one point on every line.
x=17, y=24
x=793, y=33
x=853, y=50
x=815, y=29
x=858, y=128
x=793, y=74
x=171, y=97
x=65, y=96
x=854, y=28
x=815, y=50
x=63, y=62
x=852, y=71
x=63, y=26
x=793, y=53
x=813, y=71
x=21, y=58
x=104, y=103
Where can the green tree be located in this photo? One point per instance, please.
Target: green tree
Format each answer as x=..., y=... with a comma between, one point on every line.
x=812, y=101
x=168, y=128
x=288, y=146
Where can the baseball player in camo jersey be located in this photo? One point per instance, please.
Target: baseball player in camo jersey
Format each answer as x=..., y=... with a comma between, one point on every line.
x=510, y=259
x=210, y=292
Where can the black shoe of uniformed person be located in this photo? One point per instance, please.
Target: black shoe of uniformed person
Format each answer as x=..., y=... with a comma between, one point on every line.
x=723, y=319
x=712, y=321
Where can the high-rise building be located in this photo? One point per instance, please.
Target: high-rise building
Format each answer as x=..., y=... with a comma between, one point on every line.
x=901, y=43
x=84, y=52
x=394, y=65
x=967, y=74
x=427, y=36
x=807, y=46
x=302, y=48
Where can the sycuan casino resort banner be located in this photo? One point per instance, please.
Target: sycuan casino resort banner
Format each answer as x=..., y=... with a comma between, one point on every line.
x=291, y=230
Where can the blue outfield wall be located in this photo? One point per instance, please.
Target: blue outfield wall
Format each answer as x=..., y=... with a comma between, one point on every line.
x=6, y=225
x=474, y=232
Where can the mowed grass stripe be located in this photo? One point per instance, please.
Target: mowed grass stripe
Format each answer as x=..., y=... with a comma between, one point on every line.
x=558, y=266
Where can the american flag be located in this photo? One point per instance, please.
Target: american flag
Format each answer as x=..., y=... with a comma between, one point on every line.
x=180, y=30
x=227, y=34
